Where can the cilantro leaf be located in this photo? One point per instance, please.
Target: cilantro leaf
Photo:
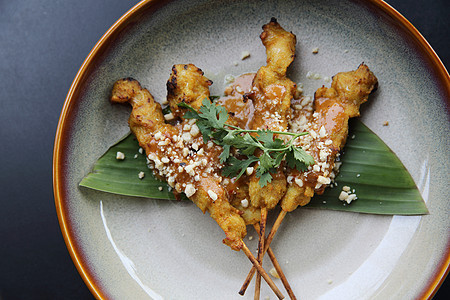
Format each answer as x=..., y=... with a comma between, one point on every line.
x=265, y=179
x=215, y=115
x=236, y=167
x=266, y=163
x=191, y=113
x=301, y=155
x=278, y=158
x=265, y=136
x=211, y=121
x=298, y=159
x=225, y=153
x=246, y=144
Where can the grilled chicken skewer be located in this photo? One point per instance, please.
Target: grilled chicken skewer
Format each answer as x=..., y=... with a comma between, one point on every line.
x=178, y=153
x=174, y=152
x=241, y=114
x=271, y=95
x=328, y=128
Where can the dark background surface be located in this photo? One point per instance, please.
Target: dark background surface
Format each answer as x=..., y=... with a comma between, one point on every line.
x=42, y=45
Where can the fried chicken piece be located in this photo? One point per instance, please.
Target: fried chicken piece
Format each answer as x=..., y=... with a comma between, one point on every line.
x=186, y=84
x=240, y=195
x=178, y=153
x=328, y=128
x=146, y=116
x=271, y=94
x=272, y=91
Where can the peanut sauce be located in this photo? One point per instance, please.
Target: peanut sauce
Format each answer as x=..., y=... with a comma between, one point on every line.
x=241, y=101
x=239, y=107
x=332, y=114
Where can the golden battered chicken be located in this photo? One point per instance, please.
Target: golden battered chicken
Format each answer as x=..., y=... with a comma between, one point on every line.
x=240, y=199
x=271, y=94
x=186, y=84
x=328, y=128
x=178, y=152
x=272, y=91
x=146, y=116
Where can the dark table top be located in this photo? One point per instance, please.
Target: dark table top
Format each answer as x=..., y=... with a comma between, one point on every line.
x=42, y=45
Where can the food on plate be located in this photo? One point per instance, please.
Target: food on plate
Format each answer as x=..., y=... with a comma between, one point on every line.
x=181, y=156
x=256, y=147
x=327, y=124
x=271, y=95
x=178, y=152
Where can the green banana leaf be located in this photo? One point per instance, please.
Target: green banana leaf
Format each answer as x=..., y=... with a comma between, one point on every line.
x=121, y=177
x=381, y=182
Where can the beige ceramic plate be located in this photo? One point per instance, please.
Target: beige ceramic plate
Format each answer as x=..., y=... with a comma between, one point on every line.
x=128, y=248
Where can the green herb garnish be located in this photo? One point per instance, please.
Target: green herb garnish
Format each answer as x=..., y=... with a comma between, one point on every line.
x=383, y=187
x=211, y=121
x=166, y=110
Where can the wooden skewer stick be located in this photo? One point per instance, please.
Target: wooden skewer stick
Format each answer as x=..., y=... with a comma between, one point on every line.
x=280, y=272
x=268, y=240
x=261, y=271
x=262, y=237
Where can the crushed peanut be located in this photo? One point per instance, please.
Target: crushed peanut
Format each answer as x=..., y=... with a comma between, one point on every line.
x=120, y=155
x=212, y=195
x=245, y=55
x=169, y=117
x=189, y=190
x=347, y=194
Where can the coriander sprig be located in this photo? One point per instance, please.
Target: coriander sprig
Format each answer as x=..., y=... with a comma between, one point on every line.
x=211, y=121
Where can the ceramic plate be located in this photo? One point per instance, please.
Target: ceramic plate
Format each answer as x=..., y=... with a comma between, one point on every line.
x=133, y=248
